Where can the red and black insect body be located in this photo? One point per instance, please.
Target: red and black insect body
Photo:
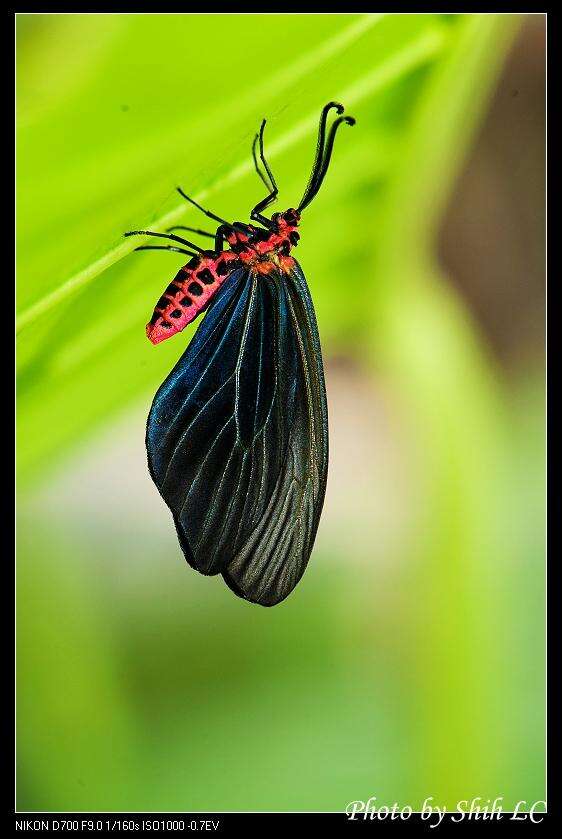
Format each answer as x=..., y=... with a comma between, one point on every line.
x=237, y=435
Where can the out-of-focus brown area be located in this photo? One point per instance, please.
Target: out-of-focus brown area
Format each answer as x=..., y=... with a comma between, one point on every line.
x=493, y=236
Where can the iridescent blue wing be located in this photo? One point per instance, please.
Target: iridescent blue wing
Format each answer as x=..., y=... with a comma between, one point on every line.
x=237, y=436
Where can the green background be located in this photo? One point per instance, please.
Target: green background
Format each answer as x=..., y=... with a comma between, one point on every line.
x=409, y=662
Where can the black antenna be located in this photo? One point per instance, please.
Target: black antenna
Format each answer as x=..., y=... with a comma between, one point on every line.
x=320, y=143
x=323, y=152
x=171, y=236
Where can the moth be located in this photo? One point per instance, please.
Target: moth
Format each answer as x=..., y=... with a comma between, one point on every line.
x=237, y=435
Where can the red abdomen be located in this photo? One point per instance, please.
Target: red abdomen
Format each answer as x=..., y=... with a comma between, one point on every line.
x=188, y=294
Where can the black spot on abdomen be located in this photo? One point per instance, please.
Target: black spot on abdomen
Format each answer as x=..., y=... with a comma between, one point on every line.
x=206, y=276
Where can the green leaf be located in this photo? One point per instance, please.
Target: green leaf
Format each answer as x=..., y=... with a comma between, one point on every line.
x=103, y=151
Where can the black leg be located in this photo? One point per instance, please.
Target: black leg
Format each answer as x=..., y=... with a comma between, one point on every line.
x=265, y=181
x=208, y=213
x=219, y=236
x=191, y=230
x=264, y=161
x=165, y=248
x=256, y=214
x=164, y=236
x=224, y=225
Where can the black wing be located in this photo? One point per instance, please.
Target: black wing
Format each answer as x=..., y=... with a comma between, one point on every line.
x=237, y=436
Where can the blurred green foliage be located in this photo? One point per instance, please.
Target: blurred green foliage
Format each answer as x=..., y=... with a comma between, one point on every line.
x=165, y=692
x=167, y=100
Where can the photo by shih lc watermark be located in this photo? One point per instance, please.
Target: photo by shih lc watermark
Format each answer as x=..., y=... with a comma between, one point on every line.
x=472, y=809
